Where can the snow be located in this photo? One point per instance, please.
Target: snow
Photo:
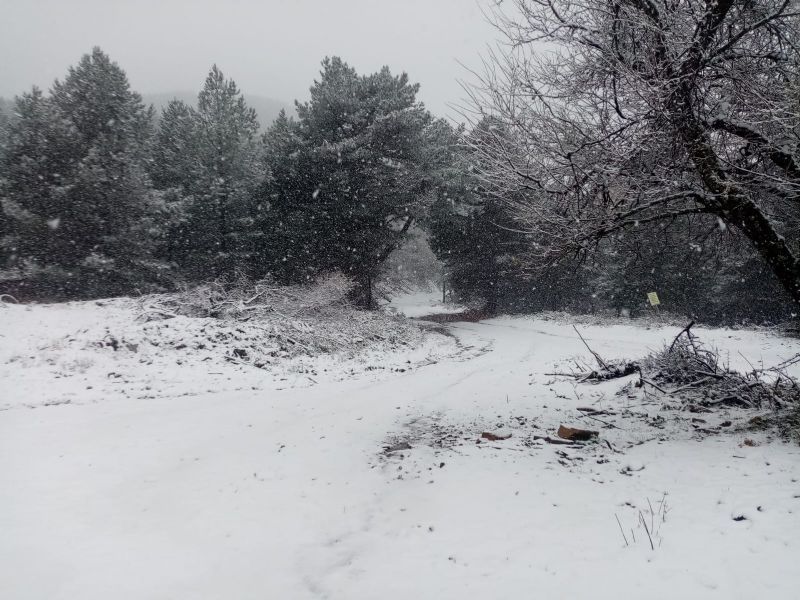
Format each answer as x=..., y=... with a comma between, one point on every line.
x=266, y=493
x=85, y=352
x=423, y=303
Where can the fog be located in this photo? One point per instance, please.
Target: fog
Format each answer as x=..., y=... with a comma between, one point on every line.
x=271, y=48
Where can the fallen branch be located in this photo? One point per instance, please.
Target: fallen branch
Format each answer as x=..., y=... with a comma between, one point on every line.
x=594, y=418
x=653, y=385
x=549, y=440
x=615, y=371
x=597, y=357
x=685, y=330
x=594, y=411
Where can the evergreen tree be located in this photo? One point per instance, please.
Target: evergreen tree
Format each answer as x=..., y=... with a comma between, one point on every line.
x=349, y=177
x=697, y=270
x=472, y=233
x=287, y=249
x=5, y=226
x=75, y=189
x=5, y=123
x=173, y=161
x=208, y=157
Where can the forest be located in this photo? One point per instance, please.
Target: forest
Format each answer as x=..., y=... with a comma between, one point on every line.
x=104, y=196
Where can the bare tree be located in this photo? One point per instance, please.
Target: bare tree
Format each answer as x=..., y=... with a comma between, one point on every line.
x=619, y=113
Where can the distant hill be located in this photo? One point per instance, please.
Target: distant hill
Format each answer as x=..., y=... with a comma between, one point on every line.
x=267, y=108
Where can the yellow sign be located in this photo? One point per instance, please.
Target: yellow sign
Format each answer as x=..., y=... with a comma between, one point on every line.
x=653, y=297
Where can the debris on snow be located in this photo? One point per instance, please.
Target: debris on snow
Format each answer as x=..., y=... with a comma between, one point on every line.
x=496, y=436
x=574, y=434
x=686, y=375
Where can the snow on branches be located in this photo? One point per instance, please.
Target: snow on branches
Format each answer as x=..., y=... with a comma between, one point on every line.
x=600, y=116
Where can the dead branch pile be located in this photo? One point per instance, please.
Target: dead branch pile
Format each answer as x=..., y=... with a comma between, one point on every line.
x=244, y=300
x=607, y=369
x=694, y=373
x=611, y=370
x=259, y=322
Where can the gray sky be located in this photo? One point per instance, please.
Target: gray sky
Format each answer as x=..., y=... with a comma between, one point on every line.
x=270, y=47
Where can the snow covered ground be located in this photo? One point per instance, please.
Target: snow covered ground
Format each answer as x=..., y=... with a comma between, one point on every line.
x=423, y=303
x=203, y=487
x=87, y=352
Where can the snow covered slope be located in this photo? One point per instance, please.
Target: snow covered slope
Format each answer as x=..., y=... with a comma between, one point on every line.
x=85, y=352
x=376, y=487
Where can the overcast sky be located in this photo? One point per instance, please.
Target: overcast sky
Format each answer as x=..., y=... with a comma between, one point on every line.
x=270, y=47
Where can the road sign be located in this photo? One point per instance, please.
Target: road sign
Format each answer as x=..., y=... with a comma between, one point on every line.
x=653, y=297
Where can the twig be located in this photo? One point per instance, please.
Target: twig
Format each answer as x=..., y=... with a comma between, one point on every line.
x=621, y=531
x=644, y=524
x=651, y=384
x=589, y=416
x=600, y=361
x=684, y=330
x=594, y=411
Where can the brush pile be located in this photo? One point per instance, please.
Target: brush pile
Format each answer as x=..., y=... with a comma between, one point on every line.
x=258, y=322
x=693, y=373
x=245, y=300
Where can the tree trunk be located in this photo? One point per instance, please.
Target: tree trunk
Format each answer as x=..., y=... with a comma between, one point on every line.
x=749, y=219
x=731, y=203
x=361, y=294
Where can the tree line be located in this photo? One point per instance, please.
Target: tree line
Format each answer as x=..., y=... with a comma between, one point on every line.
x=102, y=196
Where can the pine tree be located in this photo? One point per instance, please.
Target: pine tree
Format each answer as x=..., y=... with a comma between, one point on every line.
x=472, y=233
x=173, y=161
x=6, y=243
x=350, y=176
x=208, y=156
x=75, y=188
x=285, y=221
x=5, y=124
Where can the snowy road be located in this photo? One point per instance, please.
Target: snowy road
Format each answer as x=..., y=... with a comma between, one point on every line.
x=287, y=494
